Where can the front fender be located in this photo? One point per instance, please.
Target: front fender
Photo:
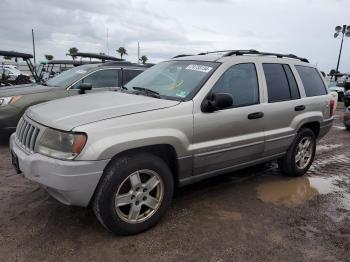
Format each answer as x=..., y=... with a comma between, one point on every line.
x=106, y=149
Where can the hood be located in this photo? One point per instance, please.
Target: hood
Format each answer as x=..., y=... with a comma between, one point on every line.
x=23, y=90
x=70, y=112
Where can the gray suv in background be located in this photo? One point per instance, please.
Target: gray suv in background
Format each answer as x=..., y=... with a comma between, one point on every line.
x=181, y=121
x=109, y=76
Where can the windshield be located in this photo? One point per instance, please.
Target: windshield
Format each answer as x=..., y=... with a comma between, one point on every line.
x=67, y=77
x=174, y=79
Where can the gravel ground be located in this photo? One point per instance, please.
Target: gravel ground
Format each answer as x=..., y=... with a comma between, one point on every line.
x=254, y=214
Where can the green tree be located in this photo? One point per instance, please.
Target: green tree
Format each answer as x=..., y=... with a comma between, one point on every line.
x=72, y=52
x=49, y=57
x=143, y=59
x=122, y=51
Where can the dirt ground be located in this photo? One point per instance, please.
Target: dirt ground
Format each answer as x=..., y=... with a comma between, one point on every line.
x=251, y=215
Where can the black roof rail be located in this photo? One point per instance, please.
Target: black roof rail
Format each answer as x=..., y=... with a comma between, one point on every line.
x=182, y=55
x=224, y=51
x=126, y=63
x=101, y=57
x=255, y=52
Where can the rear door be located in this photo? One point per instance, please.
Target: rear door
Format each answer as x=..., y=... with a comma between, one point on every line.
x=282, y=107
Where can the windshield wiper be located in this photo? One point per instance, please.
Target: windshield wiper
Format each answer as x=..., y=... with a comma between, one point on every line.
x=147, y=92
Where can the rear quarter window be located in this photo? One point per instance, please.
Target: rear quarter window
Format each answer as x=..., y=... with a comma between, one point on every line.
x=312, y=81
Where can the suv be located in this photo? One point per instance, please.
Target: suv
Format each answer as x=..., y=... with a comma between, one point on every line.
x=14, y=100
x=181, y=121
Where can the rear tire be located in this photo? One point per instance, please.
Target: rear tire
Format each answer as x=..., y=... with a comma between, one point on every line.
x=134, y=193
x=300, y=154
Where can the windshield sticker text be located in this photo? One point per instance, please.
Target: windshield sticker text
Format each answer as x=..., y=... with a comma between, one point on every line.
x=200, y=68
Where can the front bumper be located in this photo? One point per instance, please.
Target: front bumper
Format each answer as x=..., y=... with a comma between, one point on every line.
x=70, y=182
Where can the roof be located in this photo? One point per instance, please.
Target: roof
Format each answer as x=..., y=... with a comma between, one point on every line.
x=66, y=62
x=98, y=56
x=15, y=54
x=126, y=63
x=92, y=66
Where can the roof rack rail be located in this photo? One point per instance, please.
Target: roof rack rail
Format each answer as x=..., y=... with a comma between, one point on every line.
x=182, y=55
x=126, y=63
x=224, y=51
x=255, y=52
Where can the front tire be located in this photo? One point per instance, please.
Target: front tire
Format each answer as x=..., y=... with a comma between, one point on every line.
x=133, y=194
x=300, y=154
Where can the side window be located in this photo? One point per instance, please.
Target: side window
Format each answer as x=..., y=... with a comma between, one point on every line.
x=294, y=90
x=241, y=82
x=101, y=78
x=280, y=81
x=312, y=81
x=129, y=74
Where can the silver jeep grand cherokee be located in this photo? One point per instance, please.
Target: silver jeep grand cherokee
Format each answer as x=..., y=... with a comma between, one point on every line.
x=183, y=120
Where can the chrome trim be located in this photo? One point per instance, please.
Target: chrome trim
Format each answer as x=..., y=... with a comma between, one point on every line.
x=279, y=138
x=228, y=149
x=26, y=135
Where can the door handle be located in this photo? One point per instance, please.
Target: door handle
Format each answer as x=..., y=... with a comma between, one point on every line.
x=255, y=115
x=299, y=108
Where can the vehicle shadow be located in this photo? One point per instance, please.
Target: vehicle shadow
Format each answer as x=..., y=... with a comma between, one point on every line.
x=4, y=139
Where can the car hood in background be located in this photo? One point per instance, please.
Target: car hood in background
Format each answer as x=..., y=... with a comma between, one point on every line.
x=23, y=90
x=70, y=112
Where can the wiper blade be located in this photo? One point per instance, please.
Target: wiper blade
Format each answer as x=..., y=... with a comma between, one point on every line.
x=146, y=91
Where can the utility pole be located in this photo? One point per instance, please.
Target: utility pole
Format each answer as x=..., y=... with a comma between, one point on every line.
x=107, y=43
x=138, y=52
x=33, y=47
x=345, y=31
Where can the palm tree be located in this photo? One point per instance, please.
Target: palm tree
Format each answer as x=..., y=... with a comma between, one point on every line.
x=48, y=57
x=122, y=51
x=72, y=51
x=144, y=59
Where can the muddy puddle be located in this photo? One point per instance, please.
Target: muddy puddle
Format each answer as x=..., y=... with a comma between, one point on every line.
x=296, y=191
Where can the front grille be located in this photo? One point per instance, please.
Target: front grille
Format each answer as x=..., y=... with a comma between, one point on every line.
x=26, y=134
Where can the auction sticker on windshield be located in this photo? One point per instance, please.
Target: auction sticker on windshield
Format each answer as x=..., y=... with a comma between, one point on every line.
x=200, y=68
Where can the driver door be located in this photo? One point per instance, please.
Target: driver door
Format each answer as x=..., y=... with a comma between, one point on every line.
x=101, y=80
x=229, y=137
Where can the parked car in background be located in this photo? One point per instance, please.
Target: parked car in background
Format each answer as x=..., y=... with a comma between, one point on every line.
x=339, y=90
x=14, y=100
x=347, y=118
x=347, y=98
x=10, y=72
x=22, y=78
x=179, y=122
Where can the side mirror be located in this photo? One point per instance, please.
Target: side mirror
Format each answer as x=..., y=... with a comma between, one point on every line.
x=83, y=87
x=217, y=101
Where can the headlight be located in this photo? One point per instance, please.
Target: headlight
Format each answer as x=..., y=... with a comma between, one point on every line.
x=62, y=145
x=4, y=101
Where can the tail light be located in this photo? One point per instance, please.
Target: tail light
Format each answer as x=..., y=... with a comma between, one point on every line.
x=331, y=107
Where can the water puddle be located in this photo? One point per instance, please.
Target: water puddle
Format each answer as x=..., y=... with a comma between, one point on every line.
x=296, y=191
x=321, y=148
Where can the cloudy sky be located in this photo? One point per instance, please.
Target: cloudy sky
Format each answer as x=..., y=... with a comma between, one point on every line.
x=165, y=28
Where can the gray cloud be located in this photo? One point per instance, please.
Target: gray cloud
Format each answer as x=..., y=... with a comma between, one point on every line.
x=168, y=27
